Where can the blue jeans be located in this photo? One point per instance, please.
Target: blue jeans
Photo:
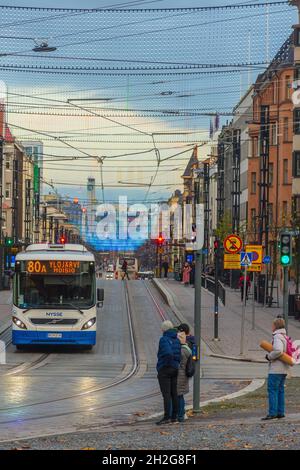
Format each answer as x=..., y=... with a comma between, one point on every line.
x=181, y=407
x=276, y=394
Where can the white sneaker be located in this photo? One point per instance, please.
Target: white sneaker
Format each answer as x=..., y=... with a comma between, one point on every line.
x=186, y=417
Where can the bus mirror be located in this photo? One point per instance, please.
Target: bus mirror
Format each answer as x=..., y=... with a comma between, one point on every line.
x=18, y=267
x=100, y=295
x=92, y=267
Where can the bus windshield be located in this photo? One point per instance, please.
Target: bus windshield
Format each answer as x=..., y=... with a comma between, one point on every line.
x=40, y=291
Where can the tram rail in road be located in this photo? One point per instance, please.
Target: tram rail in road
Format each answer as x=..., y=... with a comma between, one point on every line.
x=133, y=371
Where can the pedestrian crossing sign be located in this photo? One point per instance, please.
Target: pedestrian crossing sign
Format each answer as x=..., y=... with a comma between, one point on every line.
x=246, y=259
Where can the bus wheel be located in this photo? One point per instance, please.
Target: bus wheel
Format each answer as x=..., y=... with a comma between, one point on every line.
x=19, y=347
x=88, y=347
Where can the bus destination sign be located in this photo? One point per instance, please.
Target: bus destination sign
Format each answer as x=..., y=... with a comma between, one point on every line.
x=53, y=267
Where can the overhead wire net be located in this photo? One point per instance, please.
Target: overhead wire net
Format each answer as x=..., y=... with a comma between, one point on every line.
x=131, y=86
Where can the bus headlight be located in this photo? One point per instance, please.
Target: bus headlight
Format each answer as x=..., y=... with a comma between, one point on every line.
x=89, y=324
x=19, y=323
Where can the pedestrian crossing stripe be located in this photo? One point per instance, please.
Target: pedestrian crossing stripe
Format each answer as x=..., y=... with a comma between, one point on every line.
x=246, y=259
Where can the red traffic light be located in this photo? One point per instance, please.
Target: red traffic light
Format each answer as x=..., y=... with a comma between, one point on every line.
x=216, y=244
x=160, y=240
x=62, y=240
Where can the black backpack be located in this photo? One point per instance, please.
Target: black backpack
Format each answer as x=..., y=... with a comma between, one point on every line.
x=190, y=367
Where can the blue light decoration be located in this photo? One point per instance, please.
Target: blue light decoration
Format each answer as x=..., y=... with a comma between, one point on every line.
x=109, y=244
x=112, y=245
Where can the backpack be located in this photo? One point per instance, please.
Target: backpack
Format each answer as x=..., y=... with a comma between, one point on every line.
x=290, y=349
x=190, y=367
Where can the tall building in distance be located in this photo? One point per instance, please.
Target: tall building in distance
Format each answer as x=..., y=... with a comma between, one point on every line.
x=35, y=150
x=92, y=203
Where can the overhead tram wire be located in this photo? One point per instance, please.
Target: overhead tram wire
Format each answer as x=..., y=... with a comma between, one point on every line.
x=69, y=12
x=148, y=10
x=171, y=28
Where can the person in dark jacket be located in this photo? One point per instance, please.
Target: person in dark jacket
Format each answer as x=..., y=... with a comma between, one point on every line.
x=165, y=267
x=168, y=361
x=125, y=270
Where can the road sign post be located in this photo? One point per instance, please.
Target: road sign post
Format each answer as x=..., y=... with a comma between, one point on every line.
x=243, y=313
x=197, y=306
x=216, y=293
x=197, y=313
x=246, y=261
x=286, y=251
x=253, y=301
x=286, y=297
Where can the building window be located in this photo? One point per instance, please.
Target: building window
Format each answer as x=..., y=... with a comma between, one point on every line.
x=255, y=147
x=253, y=220
x=296, y=164
x=271, y=174
x=286, y=129
x=296, y=207
x=297, y=37
x=253, y=183
x=274, y=133
x=8, y=191
x=284, y=209
x=285, y=171
x=270, y=214
x=287, y=87
x=297, y=121
x=7, y=161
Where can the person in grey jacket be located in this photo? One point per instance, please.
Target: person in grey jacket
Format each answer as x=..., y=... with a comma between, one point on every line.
x=278, y=371
x=182, y=379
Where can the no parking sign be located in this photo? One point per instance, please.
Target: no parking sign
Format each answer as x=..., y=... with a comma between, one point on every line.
x=257, y=257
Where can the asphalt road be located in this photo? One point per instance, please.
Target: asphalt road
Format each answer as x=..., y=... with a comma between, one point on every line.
x=67, y=390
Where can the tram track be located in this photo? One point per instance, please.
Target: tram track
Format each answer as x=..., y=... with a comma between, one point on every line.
x=6, y=336
x=121, y=380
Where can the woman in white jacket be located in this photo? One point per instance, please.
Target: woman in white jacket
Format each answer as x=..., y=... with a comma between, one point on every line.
x=278, y=371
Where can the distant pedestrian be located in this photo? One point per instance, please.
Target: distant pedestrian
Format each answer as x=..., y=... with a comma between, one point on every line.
x=182, y=379
x=241, y=285
x=165, y=267
x=192, y=274
x=186, y=274
x=176, y=269
x=125, y=270
x=278, y=371
x=169, y=356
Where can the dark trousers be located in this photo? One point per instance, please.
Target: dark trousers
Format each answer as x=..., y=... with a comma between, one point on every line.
x=167, y=378
x=242, y=292
x=125, y=274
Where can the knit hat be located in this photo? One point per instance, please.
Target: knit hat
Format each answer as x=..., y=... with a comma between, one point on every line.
x=167, y=325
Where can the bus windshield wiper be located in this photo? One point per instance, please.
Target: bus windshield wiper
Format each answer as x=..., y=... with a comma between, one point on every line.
x=74, y=306
x=58, y=306
x=28, y=308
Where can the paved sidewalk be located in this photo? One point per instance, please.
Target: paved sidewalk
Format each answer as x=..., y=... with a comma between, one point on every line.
x=229, y=320
x=5, y=309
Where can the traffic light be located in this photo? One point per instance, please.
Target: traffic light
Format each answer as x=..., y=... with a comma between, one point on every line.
x=216, y=246
x=286, y=249
x=160, y=240
x=62, y=240
x=9, y=241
